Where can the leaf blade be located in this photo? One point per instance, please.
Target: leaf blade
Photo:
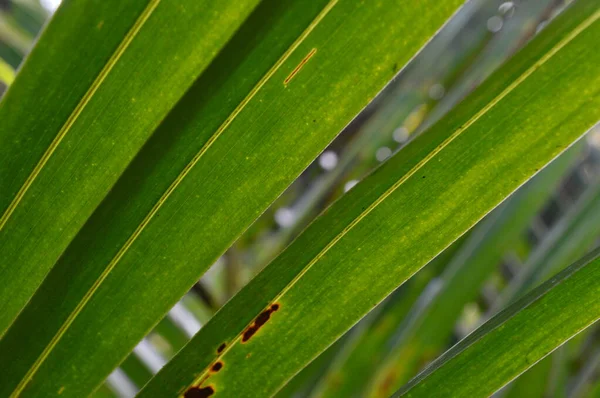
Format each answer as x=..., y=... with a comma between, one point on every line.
x=532, y=325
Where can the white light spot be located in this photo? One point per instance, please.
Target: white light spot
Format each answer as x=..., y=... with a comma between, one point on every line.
x=401, y=134
x=349, y=185
x=328, y=160
x=494, y=24
x=594, y=139
x=436, y=92
x=149, y=356
x=183, y=318
x=507, y=9
x=285, y=217
x=383, y=153
x=50, y=5
x=120, y=384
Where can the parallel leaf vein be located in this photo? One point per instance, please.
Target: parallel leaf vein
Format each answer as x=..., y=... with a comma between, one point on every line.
x=168, y=193
x=79, y=109
x=135, y=29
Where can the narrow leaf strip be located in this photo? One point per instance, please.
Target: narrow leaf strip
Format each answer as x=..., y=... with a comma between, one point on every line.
x=517, y=338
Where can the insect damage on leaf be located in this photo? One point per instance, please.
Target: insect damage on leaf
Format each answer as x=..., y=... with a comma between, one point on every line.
x=258, y=322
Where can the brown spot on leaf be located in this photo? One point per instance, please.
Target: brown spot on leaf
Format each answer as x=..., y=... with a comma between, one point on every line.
x=217, y=366
x=260, y=320
x=221, y=348
x=199, y=392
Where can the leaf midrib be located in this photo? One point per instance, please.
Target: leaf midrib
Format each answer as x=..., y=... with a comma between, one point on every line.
x=135, y=29
x=66, y=127
x=123, y=250
x=555, y=49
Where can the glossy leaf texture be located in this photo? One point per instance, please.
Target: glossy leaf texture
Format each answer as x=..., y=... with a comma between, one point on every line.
x=517, y=338
x=371, y=240
x=288, y=81
x=99, y=70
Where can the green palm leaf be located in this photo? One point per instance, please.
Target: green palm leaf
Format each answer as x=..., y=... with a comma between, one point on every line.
x=228, y=149
x=371, y=240
x=59, y=165
x=535, y=326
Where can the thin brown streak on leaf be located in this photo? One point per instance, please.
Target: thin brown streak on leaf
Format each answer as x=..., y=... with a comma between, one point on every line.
x=300, y=66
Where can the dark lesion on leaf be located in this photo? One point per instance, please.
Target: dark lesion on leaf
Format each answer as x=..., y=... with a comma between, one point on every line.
x=217, y=366
x=221, y=348
x=260, y=320
x=199, y=392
